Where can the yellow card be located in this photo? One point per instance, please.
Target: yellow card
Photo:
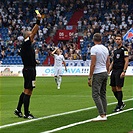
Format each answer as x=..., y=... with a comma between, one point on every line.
x=37, y=12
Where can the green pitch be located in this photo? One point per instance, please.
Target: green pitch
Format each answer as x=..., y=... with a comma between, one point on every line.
x=52, y=107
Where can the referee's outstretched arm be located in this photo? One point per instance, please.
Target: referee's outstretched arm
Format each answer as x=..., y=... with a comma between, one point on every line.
x=35, y=28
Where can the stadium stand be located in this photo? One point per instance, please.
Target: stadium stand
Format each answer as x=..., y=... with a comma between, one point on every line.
x=108, y=17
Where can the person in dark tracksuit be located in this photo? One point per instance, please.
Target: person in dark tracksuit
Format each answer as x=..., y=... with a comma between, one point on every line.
x=29, y=71
x=118, y=66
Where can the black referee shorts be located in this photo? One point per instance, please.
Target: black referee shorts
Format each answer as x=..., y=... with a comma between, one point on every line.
x=29, y=75
x=115, y=79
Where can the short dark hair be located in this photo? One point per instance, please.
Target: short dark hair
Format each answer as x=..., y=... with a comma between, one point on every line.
x=97, y=37
x=119, y=35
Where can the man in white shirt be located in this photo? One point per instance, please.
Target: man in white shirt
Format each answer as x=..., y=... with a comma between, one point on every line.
x=98, y=76
x=58, y=61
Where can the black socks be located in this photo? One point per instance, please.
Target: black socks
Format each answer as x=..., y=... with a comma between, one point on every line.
x=26, y=101
x=20, y=101
x=115, y=94
x=119, y=96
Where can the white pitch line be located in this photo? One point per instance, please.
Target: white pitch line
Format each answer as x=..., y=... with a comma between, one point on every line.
x=55, y=115
x=82, y=122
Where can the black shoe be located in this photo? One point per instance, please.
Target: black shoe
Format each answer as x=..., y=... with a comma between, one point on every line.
x=117, y=109
x=18, y=113
x=122, y=106
x=29, y=116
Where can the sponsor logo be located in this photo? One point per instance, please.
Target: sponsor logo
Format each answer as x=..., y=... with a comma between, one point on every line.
x=8, y=72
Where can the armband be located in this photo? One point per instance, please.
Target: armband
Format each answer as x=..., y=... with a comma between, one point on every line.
x=38, y=22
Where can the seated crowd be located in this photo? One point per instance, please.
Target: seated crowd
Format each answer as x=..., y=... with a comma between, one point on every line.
x=109, y=17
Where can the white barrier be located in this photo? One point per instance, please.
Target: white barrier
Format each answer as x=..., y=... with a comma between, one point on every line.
x=49, y=71
x=77, y=63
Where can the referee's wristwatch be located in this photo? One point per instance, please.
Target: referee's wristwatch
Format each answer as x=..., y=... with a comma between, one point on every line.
x=124, y=71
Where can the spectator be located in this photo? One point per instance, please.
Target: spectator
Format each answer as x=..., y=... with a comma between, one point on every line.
x=2, y=54
x=108, y=17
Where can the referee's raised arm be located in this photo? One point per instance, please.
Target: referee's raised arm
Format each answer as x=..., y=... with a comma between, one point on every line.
x=35, y=28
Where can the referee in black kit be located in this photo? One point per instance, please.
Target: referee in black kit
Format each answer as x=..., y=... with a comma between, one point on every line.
x=118, y=66
x=29, y=71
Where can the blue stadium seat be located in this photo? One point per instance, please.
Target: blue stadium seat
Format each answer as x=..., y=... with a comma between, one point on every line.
x=131, y=63
x=7, y=62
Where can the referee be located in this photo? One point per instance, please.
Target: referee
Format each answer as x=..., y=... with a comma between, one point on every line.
x=118, y=66
x=29, y=71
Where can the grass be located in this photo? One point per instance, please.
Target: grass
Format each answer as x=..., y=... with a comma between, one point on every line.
x=47, y=100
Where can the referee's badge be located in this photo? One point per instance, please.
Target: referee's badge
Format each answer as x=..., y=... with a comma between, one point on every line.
x=118, y=56
x=126, y=53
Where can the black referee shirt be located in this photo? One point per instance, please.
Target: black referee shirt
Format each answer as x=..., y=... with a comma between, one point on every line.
x=118, y=58
x=28, y=53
